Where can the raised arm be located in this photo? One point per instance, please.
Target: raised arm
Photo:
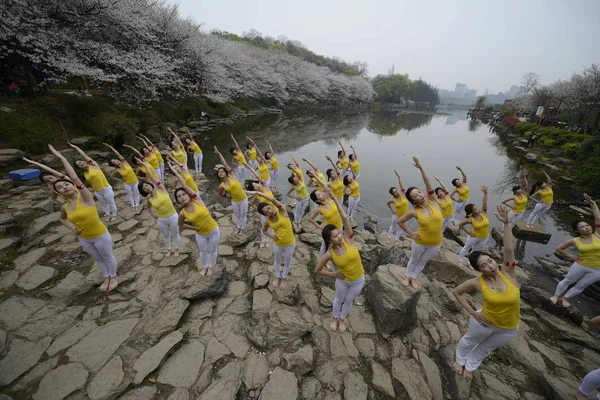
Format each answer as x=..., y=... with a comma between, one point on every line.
x=222, y=159
x=525, y=183
x=255, y=146
x=484, y=203
x=189, y=134
x=272, y=199
x=144, y=141
x=119, y=156
x=335, y=168
x=293, y=159
x=85, y=193
x=426, y=181
x=311, y=164
x=179, y=143
x=177, y=172
x=464, y=176
x=595, y=210
x=235, y=142
x=342, y=146
x=441, y=184
x=507, y=241
x=345, y=219
x=323, y=184
x=140, y=155
x=270, y=148
x=402, y=186
x=45, y=168
x=548, y=179
x=85, y=156
x=354, y=152
x=256, y=175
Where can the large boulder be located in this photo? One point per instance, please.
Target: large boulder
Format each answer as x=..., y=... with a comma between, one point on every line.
x=538, y=297
x=536, y=234
x=201, y=287
x=9, y=156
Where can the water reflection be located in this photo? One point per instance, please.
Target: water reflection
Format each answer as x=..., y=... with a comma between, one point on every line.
x=390, y=123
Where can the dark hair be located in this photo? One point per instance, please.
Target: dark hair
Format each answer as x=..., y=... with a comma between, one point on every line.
x=326, y=234
x=437, y=189
x=232, y=149
x=177, y=191
x=408, y=192
x=535, y=187
x=455, y=181
x=143, y=149
x=575, y=224
x=75, y=163
x=221, y=168
x=171, y=145
x=515, y=188
x=133, y=160
x=248, y=145
x=340, y=152
x=291, y=179
x=111, y=162
x=268, y=155
x=261, y=207
x=141, y=186
x=469, y=209
x=328, y=173
x=474, y=257
x=391, y=191
x=250, y=185
x=351, y=157
x=346, y=180
x=43, y=174
x=61, y=180
x=313, y=197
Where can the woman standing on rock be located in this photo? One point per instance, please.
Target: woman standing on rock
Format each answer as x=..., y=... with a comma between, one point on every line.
x=178, y=148
x=207, y=231
x=342, y=161
x=354, y=164
x=231, y=185
x=80, y=216
x=259, y=186
x=297, y=184
x=154, y=153
x=130, y=180
x=327, y=209
x=193, y=148
x=283, y=239
x=94, y=175
x=586, y=267
x=462, y=190
x=428, y=239
x=314, y=183
x=498, y=321
x=445, y=202
x=187, y=177
x=547, y=198
x=238, y=158
x=162, y=210
x=520, y=199
x=353, y=192
x=401, y=205
x=342, y=251
x=270, y=157
x=334, y=181
x=480, y=233
x=250, y=154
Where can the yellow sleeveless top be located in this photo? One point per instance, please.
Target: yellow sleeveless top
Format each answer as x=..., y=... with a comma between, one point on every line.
x=337, y=187
x=589, y=252
x=481, y=229
x=283, y=229
x=354, y=189
x=234, y=188
x=152, y=172
x=274, y=163
x=447, y=207
x=520, y=203
x=153, y=160
x=96, y=178
x=350, y=263
x=300, y=174
x=162, y=204
x=401, y=205
x=252, y=153
x=189, y=181
x=355, y=166
x=502, y=308
x=318, y=185
x=195, y=148
x=127, y=174
x=179, y=155
x=547, y=196
x=201, y=219
x=463, y=192
x=266, y=190
x=86, y=219
x=158, y=156
x=263, y=170
x=343, y=162
x=331, y=215
x=239, y=158
x=430, y=228
x=301, y=190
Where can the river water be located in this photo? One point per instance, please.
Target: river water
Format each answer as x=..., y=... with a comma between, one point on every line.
x=387, y=141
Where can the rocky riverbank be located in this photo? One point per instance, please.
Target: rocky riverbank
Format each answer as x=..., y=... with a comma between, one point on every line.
x=168, y=333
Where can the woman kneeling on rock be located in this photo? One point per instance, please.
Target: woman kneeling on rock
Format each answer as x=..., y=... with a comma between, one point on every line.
x=342, y=251
x=498, y=321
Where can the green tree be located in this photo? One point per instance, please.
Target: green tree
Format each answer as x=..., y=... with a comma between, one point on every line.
x=391, y=88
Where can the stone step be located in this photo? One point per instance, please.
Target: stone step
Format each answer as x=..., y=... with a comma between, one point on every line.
x=536, y=234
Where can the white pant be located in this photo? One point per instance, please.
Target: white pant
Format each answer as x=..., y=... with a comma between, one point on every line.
x=162, y=172
x=274, y=175
x=472, y=244
x=240, y=174
x=253, y=164
x=419, y=255
x=268, y=183
x=579, y=275
x=447, y=222
x=133, y=194
x=590, y=383
x=198, y=162
x=352, y=206
x=159, y=172
x=514, y=217
x=345, y=293
x=208, y=244
x=459, y=208
x=357, y=177
x=101, y=251
x=106, y=197
x=264, y=238
x=395, y=230
x=300, y=208
x=240, y=210
x=479, y=342
x=538, y=211
x=286, y=253
x=169, y=228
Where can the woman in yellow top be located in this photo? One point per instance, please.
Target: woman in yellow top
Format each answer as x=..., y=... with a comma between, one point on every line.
x=445, y=202
x=232, y=188
x=250, y=154
x=520, y=199
x=428, y=239
x=238, y=159
x=187, y=177
x=162, y=210
x=462, y=190
x=479, y=235
x=297, y=184
x=199, y=220
x=342, y=161
x=334, y=181
x=193, y=148
x=259, y=185
x=80, y=216
x=295, y=167
x=128, y=177
x=284, y=240
x=94, y=175
x=326, y=208
x=400, y=207
x=343, y=252
x=153, y=156
x=498, y=321
x=586, y=266
x=270, y=157
x=178, y=149
x=547, y=198
x=353, y=192
x=354, y=165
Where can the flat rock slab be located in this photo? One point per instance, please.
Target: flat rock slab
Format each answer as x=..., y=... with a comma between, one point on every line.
x=21, y=356
x=355, y=387
x=282, y=385
x=226, y=386
x=33, y=278
x=153, y=357
x=140, y=393
x=62, y=381
x=256, y=371
x=50, y=321
x=183, y=367
x=536, y=234
x=167, y=319
x=381, y=380
x=73, y=284
x=125, y=226
x=17, y=309
x=107, y=380
x=8, y=278
x=202, y=287
x=70, y=337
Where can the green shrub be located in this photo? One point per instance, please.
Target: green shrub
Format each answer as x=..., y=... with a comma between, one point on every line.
x=107, y=126
x=546, y=141
x=29, y=133
x=523, y=127
x=571, y=149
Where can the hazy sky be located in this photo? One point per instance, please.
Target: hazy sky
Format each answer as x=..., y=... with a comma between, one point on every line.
x=485, y=44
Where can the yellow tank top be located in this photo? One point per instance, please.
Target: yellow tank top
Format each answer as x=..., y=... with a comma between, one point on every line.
x=239, y=158
x=266, y=190
x=127, y=174
x=301, y=190
x=332, y=215
x=189, y=181
x=318, y=185
x=589, y=252
x=252, y=153
x=430, y=227
x=502, y=308
x=343, y=162
x=153, y=160
x=337, y=187
x=274, y=163
x=447, y=207
x=520, y=203
x=86, y=219
x=283, y=229
x=481, y=229
x=401, y=205
x=179, y=155
x=152, y=172
x=354, y=189
x=299, y=173
x=162, y=204
x=234, y=188
x=263, y=170
x=96, y=178
x=547, y=195
x=463, y=192
x=350, y=263
x=355, y=166
x=193, y=146
x=201, y=219
x=158, y=156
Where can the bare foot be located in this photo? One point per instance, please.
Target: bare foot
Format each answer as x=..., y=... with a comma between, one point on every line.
x=104, y=285
x=467, y=374
x=554, y=299
x=283, y=283
x=275, y=282
x=242, y=231
x=414, y=283
x=269, y=244
x=168, y=253
x=341, y=326
x=461, y=264
x=176, y=253
x=406, y=282
x=209, y=272
x=113, y=283
x=238, y=232
x=112, y=219
x=333, y=325
x=262, y=245
x=203, y=271
x=458, y=368
x=565, y=303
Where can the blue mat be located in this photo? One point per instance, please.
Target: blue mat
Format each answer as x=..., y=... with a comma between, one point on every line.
x=24, y=174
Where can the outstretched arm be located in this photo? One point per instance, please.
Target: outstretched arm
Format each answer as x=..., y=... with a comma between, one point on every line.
x=119, y=156
x=270, y=148
x=235, y=142
x=140, y=155
x=87, y=158
x=342, y=146
x=85, y=193
x=179, y=143
x=426, y=181
x=177, y=172
x=507, y=240
x=402, y=186
x=354, y=152
x=335, y=168
x=464, y=176
x=548, y=179
x=255, y=146
x=484, y=203
x=225, y=165
x=256, y=175
x=442, y=185
x=45, y=168
x=293, y=159
x=311, y=164
x=272, y=199
x=595, y=210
